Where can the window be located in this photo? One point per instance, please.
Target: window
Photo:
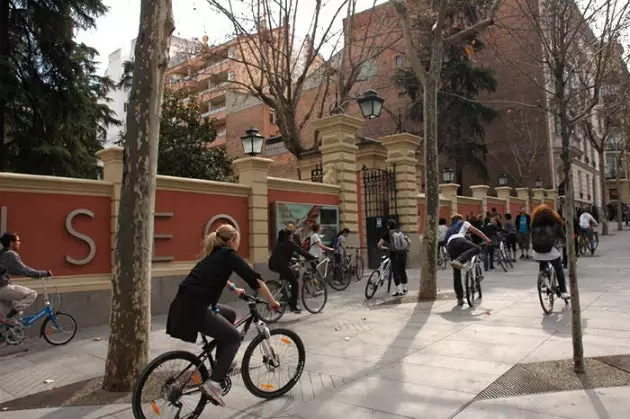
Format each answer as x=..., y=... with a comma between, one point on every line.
x=273, y=118
x=230, y=76
x=230, y=53
x=125, y=106
x=399, y=61
x=368, y=69
x=275, y=146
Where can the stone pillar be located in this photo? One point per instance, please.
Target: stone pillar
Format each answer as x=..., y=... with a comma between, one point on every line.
x=539, y=193
x=253, y=171
x=373, y=156
x=503, y=192
x=552, y=194
x=339, y=160
x=449, y=192
x=481, y=192
x=401, y=151
x=523, y=193
x=112, y=158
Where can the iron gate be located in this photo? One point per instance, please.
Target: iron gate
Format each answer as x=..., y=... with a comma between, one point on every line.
x=379, y=204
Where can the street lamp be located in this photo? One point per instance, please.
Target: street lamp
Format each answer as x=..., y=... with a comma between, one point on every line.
x=252, y=142
x=502, y=180
x=371, y=104
x=538, y=183
x=447, y=175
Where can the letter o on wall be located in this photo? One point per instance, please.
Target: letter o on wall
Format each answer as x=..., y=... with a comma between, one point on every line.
x=80, y=236
x=218, y=217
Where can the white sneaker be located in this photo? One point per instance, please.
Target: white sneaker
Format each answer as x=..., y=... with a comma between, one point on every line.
x=398, y=292
x=213, y=391
x=565, y=295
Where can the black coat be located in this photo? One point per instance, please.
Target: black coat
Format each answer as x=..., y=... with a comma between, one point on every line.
x=202, y=289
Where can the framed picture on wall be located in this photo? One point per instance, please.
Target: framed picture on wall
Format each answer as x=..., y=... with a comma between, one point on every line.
x=304, y=216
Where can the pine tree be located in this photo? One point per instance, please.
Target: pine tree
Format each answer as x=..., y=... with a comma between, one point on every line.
x=53, y=110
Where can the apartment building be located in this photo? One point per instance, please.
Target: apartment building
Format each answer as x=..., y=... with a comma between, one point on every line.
x=119, y=98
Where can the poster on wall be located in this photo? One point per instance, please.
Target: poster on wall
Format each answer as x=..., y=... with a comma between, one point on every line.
x=304, y=216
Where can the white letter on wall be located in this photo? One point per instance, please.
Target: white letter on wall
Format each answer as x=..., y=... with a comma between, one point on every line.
x=80, y=236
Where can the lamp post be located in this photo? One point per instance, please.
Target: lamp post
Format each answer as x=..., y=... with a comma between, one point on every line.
x=502, y=180
x=252, y=142
x=371, y=105
x=538, y=183
x=448, y=174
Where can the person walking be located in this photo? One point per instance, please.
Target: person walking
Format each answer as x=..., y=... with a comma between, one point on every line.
x=523, y=221
x=398, y=244
x=512, y=237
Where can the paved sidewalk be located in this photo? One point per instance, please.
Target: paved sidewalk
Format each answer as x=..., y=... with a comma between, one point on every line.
x=412, y=360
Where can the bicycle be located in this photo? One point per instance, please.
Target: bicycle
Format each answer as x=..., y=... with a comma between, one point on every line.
x=354, y=262
x=378, y=276
x=313, y=285
x=443, y=258
x=13, y=333
x=176, y=390
x=548, y=288
x=352, y=266
x=474, y=276
x=584, y=244
x=501, y=256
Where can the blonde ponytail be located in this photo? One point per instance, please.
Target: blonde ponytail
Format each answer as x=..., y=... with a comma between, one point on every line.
x=223, y=235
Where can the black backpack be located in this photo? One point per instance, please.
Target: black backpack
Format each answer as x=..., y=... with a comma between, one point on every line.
x=544, y=238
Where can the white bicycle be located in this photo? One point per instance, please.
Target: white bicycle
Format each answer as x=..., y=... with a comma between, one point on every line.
x=379, y=276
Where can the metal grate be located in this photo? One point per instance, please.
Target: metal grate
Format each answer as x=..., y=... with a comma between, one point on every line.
x=317, y=174
x=379, y=192
x=518, y=381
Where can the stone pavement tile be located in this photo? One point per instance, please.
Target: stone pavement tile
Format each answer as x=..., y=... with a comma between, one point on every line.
x=13, y=363
x=79, y=412
x=499, y=337
x=562, y=349
x=460, y=364
x=439, y=377
x=87, y=364
x=357, y=350
x=31, y=380
x=536, y=320
x=347, y=368
x=484, y=328
x=5, y=397
x=592, y=339
x=609, y=403
x=243, y=401
x=482, y=410
x=400, y=398
x=335, y=409
x=410, y=337
x=479, y=351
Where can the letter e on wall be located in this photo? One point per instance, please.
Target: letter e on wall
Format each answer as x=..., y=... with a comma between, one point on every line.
x=80, y=236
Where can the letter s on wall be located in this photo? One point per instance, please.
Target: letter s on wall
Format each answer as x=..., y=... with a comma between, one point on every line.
x=85, y=238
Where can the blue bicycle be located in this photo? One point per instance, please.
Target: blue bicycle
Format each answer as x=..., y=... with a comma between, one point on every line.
x=57, y=329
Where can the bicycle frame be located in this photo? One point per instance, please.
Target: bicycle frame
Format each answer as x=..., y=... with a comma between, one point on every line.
x=46, y=311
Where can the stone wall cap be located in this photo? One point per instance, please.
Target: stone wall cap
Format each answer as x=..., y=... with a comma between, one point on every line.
x=335, y=120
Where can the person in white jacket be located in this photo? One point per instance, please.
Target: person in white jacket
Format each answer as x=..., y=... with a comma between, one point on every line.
x=587, y=222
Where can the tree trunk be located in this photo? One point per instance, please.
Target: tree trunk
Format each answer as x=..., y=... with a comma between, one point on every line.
x=576, y=313
x=4, y=74
x=428, y=277
x=619, y=195
x=602, y=188
x=130, y=317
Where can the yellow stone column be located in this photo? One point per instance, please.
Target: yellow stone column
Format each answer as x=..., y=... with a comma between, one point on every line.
x=553, y=195
x=503, y=192
x=401, y=151
x=339, y=160
x=449, y=192
x=253, y=171
x=112, y=158
x=539, y=193
x=481, y=192
x=523, y=193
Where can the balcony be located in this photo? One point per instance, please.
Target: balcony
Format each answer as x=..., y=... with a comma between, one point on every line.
x=222, y=132
x=216, y=109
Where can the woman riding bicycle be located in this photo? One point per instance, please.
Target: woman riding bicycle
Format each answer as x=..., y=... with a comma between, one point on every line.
x=195, y=308
x=547, y=229
x=281, y=254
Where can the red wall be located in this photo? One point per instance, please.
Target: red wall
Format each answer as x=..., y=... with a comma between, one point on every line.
x=39, y=219
x=191, y=212
x=445, y=212
x=515, y=208
x=500, y=206
x=466, y=208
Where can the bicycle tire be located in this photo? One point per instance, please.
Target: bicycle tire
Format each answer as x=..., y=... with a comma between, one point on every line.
x=507, y=259
x=549, y=294
x=320, y=283
x=371, y=285
x=501, y=262
x=275, y=287
x=136, y=398
x=44, y=328
x=340, y=285
x=247, y=356
x=470, y=289
x=359, y=265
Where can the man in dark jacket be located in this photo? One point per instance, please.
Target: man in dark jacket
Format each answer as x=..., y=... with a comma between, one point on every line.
x=523, y=223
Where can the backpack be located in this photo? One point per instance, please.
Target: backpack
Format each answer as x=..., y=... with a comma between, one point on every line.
x=544, y=238
x=453, y=229
x=398, y=241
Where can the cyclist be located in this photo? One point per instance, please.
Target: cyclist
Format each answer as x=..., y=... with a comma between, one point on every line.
x=195, y=308
x=315, y=245
x=398, y=244
x=461, y=250
x=547, y=229
x=339, y=250
x=587, y=223
x=281, y=254
x=512, y=238
x=17, y=296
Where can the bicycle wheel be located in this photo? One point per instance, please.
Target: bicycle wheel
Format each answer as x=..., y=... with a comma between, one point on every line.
x=339, y=281
x=499, y=259
x=545, y=294
x=582, y=245
x=272, y=365
x=372, y=284
x=359, y=267
x=175, y=386
x=314, y=294
x=64, y=323
x=473, y=288
x=507, y=260
x=280, y=294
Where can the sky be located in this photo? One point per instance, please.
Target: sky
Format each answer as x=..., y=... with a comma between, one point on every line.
x=193, y=19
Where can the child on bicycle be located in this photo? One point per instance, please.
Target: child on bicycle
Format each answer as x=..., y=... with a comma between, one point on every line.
x=195, y=308
x=547, y=229
x=461, y=250
x=282, y=252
